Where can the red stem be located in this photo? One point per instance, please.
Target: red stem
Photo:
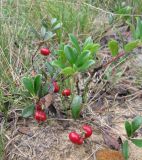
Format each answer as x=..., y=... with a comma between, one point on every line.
x=113, y=59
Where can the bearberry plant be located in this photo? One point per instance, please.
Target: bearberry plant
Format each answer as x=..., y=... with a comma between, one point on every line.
x=61, y=74
x=131, y=131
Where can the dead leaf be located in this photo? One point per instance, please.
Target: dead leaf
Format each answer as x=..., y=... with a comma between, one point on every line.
x=111, y=140
x=107, y=154
x=48, y=100
x=25, y=130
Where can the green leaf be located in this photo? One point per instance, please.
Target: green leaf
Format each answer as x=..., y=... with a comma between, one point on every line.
x=48, y=35
x=75, y=68
x=68, y=71
x=93, y=48
x=37, y=84
x=136, y=123
x=137, y=142
x=140, y=27
x=76, y=106
x=58, y=64
x=74, y=42
x=88, y=41
x=125, y=150
x=138, y=31
x=86, y=65
x=131, y=45
x=43, y=31
x=71, y=55
x=58, y=26
x=128, y=128
x=44, y=23
x=28, y=83
x=53, y=21
x=111, y=18
x=82, y=58
x=28, y=111
x=113, y=46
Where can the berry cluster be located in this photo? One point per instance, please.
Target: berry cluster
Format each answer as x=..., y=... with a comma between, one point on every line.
x=77, y=138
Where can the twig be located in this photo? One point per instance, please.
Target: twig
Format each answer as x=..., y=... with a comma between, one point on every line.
x=15, y=146
x=106, y=64
x=108, y=12
x=100, y=68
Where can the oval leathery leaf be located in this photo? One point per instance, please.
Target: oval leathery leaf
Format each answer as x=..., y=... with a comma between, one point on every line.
x=76, y=106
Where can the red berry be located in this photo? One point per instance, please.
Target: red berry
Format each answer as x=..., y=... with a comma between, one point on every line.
x=66, y=92
x=75, y=138
x=38, y=106
x=40, y=116
x=80, y=141
x=45, y=51
x=56, y=87
x=88, y=130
